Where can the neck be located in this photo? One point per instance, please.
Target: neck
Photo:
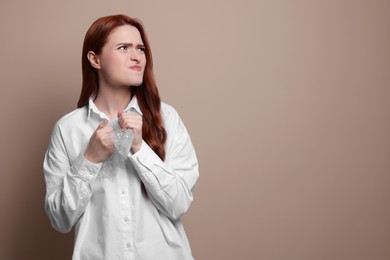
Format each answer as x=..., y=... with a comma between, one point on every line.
x=110, y=101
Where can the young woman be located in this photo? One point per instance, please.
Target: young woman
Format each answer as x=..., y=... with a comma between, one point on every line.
x=123, y=205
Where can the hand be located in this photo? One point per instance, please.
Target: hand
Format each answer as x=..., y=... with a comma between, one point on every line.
x=133, y=121
x=101, y=144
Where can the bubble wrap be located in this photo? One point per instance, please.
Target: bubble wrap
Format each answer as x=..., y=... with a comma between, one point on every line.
x=122, y=141
x=122, y=138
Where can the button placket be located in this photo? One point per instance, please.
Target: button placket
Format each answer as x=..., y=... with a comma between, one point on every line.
x=125, y=209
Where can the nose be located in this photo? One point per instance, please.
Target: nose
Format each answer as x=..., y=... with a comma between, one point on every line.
x=135, y=56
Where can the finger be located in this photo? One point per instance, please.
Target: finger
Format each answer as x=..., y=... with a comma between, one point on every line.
x=102, y=125
x=133, y=114
x=121, y=121
x=104, y=129
x=129, y=124
x=125, y=121
x=107, y=129
x=131, y=119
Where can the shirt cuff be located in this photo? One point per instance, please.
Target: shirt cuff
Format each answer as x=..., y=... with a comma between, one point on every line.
x=85, y=169
x=146, y=157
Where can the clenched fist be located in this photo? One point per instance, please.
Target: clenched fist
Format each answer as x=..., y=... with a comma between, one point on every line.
x=132, y=121
x=101, y=144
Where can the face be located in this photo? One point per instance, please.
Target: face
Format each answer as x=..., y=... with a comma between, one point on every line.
x=122, y=60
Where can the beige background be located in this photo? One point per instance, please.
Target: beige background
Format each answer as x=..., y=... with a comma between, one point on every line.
x=287, y=103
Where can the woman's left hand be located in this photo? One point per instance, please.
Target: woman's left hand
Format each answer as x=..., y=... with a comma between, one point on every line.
x=132, y=121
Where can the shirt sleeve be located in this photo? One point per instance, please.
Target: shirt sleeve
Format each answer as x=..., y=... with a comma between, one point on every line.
x=68, y=184
x=169, y=183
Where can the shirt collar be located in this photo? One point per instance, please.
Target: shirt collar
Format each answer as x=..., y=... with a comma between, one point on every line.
x=132, y=106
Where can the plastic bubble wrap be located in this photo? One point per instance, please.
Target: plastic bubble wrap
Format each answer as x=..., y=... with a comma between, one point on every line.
x=122, y=141
x=122, y=138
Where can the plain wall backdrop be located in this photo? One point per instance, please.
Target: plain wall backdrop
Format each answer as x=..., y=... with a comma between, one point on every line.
x=287, y=104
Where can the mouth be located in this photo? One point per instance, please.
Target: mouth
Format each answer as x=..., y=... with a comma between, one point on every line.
x=136, y=68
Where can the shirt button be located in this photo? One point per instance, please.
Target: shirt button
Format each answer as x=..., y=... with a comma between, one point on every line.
x=128, y=245
x=123, y=192
x=126, y=219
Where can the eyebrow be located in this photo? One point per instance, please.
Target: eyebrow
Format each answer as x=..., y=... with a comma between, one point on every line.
x=130, y=44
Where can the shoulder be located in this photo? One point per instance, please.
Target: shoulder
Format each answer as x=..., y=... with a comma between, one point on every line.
x=170, y=115
x=168, y=111
x=177, y=134
x=171, y=118
x=72, y=119
x=65, y=125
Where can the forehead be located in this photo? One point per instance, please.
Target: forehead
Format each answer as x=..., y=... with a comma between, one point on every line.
x=125, y=34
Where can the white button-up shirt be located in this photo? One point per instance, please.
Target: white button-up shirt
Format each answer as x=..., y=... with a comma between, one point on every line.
x=115, y=217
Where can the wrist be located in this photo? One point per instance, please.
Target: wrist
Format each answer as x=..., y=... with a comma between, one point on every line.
x=90, y=158
x=136, y=147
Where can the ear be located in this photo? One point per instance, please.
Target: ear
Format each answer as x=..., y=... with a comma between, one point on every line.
x=94, y=60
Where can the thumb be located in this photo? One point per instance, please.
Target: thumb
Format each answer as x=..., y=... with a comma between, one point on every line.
x=102, y=125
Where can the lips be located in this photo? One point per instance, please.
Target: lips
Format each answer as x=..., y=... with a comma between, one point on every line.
x=136, y=68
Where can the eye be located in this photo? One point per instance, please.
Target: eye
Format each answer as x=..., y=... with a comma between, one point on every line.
x=141, y=49
x=123, y=47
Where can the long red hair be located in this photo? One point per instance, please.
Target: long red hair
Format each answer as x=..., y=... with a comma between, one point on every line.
x=153, y=131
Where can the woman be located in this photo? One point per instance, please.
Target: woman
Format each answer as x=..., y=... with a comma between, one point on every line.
x=123, y=205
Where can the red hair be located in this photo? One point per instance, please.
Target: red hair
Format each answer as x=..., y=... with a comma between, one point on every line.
x=153, y=131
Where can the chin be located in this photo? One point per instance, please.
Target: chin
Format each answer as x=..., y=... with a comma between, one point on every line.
x=136, y=84
x=135, y=81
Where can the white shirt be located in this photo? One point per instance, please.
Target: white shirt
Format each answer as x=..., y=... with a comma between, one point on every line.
x=113, y=215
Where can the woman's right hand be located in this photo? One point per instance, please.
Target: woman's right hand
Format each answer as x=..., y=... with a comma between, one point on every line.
x=101, y=144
